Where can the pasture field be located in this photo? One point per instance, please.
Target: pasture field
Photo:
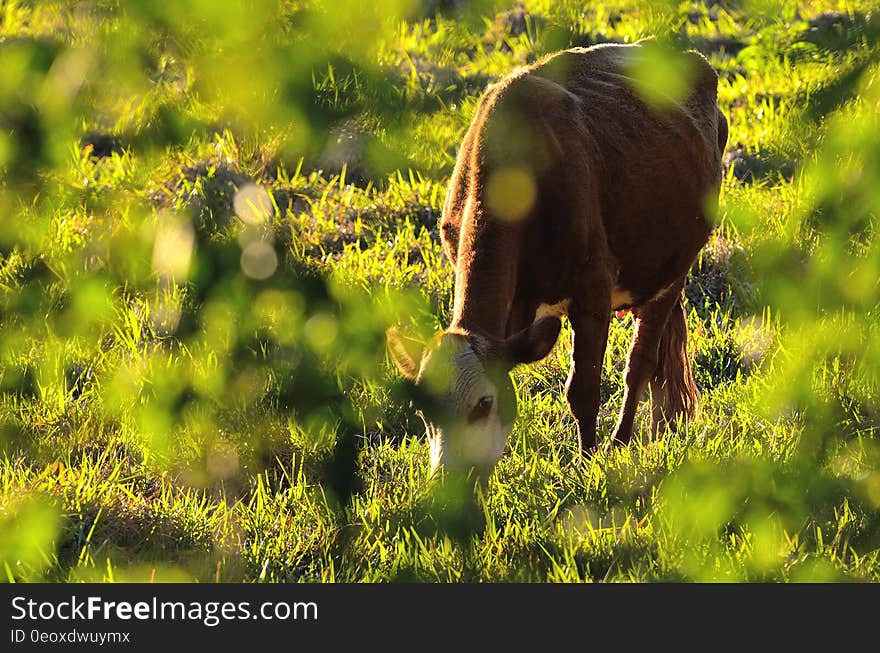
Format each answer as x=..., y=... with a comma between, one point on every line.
x=210, y=212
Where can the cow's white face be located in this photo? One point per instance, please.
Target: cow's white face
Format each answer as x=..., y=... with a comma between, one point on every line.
x=472, y=411
x=464, y=393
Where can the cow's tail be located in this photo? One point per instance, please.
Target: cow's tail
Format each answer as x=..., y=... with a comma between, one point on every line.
x=674, y=392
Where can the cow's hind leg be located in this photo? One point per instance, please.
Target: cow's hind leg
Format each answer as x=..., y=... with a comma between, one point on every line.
x=644, y=356
x=674, y=393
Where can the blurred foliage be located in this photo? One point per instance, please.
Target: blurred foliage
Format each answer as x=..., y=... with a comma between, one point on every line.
x=210, y=212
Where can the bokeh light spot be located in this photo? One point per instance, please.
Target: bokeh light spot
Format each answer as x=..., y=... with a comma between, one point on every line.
x=662, y=76
x=252, y=204
x=510, y=193
x=321, y=330
x=258, y=260
x=173, y=249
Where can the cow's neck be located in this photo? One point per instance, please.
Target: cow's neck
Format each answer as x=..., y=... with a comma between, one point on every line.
x=485, y=278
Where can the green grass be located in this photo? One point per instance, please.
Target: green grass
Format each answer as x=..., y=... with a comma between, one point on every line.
x=165, y=417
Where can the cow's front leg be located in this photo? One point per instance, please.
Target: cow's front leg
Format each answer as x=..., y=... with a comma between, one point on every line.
x=589, y=323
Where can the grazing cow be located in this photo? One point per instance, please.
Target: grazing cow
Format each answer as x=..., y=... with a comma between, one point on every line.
x=570, y=196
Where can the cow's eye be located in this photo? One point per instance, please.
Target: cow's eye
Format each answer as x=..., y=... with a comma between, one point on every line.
x=481, y=410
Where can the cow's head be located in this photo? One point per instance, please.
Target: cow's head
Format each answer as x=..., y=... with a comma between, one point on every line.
x=463, y=392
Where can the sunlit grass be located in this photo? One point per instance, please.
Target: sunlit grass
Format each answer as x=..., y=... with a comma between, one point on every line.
x=152, y=425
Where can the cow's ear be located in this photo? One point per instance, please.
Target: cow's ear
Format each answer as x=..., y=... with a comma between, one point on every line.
x=532, y=343
x=405, y=352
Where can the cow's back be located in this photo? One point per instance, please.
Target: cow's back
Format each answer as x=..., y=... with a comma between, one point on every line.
x=611, y=174
x=657, y=169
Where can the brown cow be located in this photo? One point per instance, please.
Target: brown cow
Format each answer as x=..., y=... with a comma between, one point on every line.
x=570, y=196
